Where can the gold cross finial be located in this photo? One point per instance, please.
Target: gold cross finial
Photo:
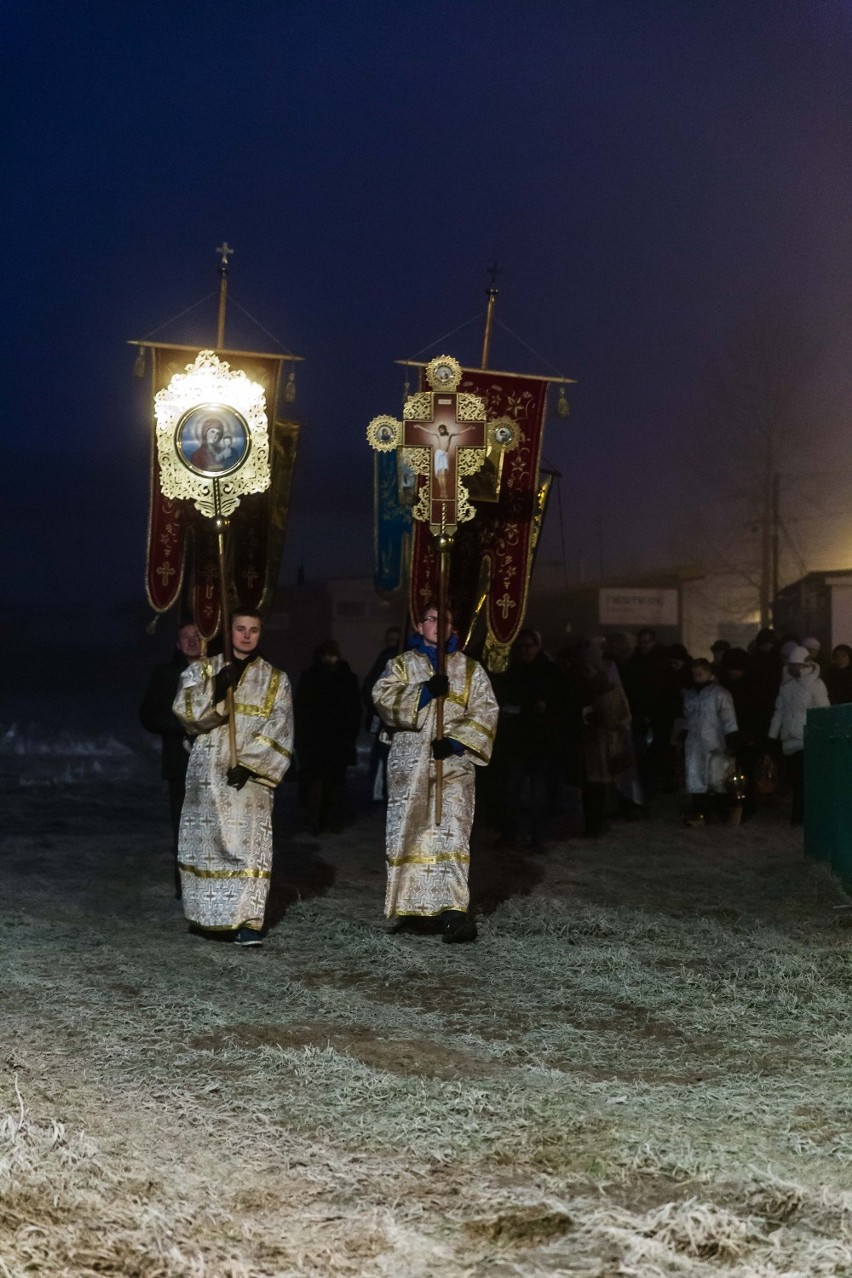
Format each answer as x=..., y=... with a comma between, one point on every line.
x=226, y=251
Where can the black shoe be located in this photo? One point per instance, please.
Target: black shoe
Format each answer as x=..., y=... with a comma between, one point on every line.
x=247, y=936
x=457, y=927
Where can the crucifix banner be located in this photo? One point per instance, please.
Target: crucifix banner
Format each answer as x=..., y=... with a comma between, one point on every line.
x=495, y=552
x=442, y=436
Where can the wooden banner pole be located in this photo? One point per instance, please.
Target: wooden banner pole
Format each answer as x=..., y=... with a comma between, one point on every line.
x=445, y=542
x=227, y=649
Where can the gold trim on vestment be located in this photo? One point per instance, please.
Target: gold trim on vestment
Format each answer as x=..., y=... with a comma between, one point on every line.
x=223, y=874
x=264, y=710
x=288, y=754
x=411, y=914
x=488, y=733
x=460, y=858
x=395, y=703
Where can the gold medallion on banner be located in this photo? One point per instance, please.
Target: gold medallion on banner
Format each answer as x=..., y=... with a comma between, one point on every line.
x=212, y=436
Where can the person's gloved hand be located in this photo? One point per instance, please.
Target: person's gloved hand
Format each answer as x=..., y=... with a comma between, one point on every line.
x=444, y=748
x=223, y=680
x=438, y=685
x=238, y=775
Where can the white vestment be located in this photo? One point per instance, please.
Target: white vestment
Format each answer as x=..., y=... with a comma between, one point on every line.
x=225, y=841
x=428, y=863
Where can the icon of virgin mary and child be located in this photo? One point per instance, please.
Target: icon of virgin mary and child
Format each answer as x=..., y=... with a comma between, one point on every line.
x=217, y=450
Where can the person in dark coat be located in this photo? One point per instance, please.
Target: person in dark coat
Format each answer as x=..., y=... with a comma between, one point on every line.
x=380, y=750
x=327, y=708
x=765, y=675
x=737, y=675
x=530, y=697
x=607, y=738
x=156, y=716
x=646, y=673
x=838, y=677
x=676, y=679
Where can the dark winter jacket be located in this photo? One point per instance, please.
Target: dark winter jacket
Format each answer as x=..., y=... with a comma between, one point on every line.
x=156, y=715
x=531, y=699
x=327, y=708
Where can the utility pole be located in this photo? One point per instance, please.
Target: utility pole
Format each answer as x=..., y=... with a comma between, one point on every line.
x=766, y=541
x=776, y=539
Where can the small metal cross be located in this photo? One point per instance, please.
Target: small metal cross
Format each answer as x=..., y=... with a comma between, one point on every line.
x=226, y=251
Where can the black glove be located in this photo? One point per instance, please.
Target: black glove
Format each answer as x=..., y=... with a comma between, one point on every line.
x=443, y=748
x=226, y=678
x=438, y=685
x=237, y=776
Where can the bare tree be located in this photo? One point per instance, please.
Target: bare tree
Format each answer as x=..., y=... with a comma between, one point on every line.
x=765, y=420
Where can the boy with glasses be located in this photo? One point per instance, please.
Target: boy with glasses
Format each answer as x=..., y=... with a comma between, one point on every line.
x=428, y=861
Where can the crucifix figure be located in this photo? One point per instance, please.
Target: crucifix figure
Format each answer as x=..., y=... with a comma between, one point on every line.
x=443, y=434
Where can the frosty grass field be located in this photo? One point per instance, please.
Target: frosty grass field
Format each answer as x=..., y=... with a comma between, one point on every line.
x=641, y=1068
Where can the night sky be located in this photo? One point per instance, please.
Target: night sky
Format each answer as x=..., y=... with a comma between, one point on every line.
x=649, y=176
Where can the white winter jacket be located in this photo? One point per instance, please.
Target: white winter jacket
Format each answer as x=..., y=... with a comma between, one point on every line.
x=795, y=698
x=710, y=717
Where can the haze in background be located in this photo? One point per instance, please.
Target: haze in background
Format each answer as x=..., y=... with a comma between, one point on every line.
x=650, y=178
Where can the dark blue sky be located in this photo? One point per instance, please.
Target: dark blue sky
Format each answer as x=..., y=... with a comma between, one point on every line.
x=647, y=175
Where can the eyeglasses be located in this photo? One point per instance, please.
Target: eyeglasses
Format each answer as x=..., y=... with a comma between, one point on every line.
x=434, y=620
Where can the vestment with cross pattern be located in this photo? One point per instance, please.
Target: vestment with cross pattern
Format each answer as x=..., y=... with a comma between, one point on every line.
x=225, y=842
x=428, y=863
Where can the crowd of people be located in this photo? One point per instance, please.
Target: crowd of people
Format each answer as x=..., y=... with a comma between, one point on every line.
x=617, y=720
x=625, y=719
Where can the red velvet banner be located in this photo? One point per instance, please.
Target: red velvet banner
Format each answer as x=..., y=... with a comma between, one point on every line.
x=500, y=540
x=167, y=522
x=206, y=607
x=259, y=524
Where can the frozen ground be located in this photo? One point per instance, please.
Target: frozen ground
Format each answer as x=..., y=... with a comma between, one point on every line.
x=641, y=1068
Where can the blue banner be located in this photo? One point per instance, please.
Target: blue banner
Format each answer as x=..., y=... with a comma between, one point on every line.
x=392, y=524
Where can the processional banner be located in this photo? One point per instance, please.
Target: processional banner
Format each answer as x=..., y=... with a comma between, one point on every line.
x=182, y=548
x=493, y=554
x=395, y=488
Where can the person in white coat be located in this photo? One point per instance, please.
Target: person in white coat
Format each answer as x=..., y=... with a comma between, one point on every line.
x=801, y=690
x=711, y=726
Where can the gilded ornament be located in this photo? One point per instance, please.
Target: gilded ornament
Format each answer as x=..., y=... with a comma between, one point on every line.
x=504, y=432
x=212, y=436
x=443, y=373
x=384, y=433
x=418, y=406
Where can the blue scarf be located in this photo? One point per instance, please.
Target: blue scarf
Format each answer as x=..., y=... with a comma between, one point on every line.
x=419, y=644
